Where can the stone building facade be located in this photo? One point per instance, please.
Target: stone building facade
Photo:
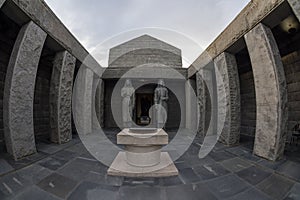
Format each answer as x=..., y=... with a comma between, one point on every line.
x=257, y=55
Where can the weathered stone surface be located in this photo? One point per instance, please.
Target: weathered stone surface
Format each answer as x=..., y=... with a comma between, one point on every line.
x=61, y=96
x=19, y=91
x=271, y=93
x=295, y=4
x=82, y=100
x=229, y=97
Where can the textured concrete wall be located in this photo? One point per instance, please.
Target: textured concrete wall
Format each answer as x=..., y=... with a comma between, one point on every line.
x=8, y=34
x=291, y=64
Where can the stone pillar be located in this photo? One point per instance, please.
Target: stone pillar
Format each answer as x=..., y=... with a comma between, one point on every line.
x=295, y=5
x=19, y=91
x=201, y=102
x=191, y=105
x=61, y=97
x=2, y=2
x=100, y=102
x=228, y=98
x=209, y=79
x=271, y=93
x=82, y=100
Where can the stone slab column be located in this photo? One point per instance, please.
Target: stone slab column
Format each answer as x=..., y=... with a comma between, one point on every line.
x=19, y=91
x=228, y=97
x=83, y=100
x=61, y=97
x=201, y=102
x=271, y=93
x=209, y=78
x=191, y=105
x=100, y=102
x=2, y=2
x=295, y=5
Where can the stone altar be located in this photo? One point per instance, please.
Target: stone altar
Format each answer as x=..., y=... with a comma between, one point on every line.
x=142, y=156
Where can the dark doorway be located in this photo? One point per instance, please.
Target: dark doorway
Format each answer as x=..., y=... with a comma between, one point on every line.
x=143, y=105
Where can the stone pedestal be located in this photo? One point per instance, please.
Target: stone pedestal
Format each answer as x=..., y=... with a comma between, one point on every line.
x=143, y=156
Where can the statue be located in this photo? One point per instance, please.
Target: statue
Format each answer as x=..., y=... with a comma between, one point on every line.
x=160, y=99
x=128, y=103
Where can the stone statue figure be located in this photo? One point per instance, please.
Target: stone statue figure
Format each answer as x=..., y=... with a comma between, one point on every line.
x=128, y=103
x=160, y=99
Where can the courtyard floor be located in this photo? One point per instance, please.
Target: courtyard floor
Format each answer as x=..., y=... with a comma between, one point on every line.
x=70, y=172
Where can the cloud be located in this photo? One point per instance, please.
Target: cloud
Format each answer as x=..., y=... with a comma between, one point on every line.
x=94, y=21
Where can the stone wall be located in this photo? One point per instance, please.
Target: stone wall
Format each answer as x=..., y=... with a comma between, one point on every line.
x=291, y=64
x=144, y=49
x=247, y=90
x=8, y=34
x=145, y=56
x=41, y=96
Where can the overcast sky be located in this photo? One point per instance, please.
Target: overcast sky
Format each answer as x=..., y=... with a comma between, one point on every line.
x=95, y=21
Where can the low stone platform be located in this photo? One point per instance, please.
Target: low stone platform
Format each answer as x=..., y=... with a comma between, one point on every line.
x=120, y=167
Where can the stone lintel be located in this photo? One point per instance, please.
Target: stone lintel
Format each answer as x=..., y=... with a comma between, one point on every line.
x=19, y=91
x=61, y=96
x=271, y=93
x=228, y=98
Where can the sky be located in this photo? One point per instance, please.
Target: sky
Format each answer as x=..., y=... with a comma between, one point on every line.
x=190, y=25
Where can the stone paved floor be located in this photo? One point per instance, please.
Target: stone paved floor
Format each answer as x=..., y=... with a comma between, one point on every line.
x=70, y=172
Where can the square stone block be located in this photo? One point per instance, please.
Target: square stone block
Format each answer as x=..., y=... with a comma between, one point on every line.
x=120, y=167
